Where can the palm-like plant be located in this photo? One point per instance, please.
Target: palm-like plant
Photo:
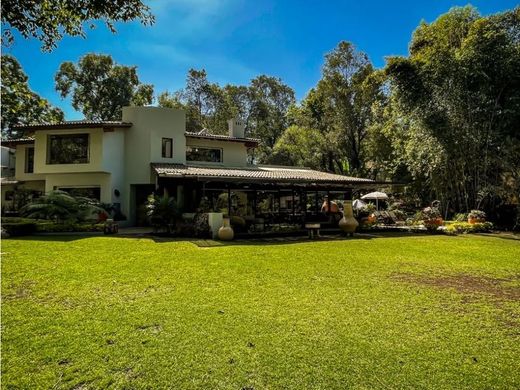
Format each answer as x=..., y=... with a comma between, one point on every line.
x=60, y=206
x=162, y=210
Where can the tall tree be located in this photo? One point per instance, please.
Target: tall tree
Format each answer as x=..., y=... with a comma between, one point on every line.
x=460, y=90
x=20, y=105
x=262, y=105
x=49, y=20
x=270, y=100
x=206, y=104
x=100, y=88
x=341, y=108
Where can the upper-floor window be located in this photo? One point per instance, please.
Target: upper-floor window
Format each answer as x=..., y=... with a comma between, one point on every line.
x=29, y=160
x=167, y=147
x=68, y=149
x=196, y=153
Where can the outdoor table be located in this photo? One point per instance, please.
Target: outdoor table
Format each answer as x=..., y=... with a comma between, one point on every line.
x=313, y=228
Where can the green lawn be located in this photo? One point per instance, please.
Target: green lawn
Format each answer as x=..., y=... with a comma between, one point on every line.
x=393, y=312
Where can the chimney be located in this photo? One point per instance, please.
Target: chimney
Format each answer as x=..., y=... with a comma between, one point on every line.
x=236, y=128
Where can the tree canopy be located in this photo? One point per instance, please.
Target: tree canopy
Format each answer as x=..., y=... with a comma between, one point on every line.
x=100, y=88
x=459, y=94
x=20, y=105
x=49, y=20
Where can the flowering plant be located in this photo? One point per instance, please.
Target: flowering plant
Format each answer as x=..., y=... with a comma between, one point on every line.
x=477, y=214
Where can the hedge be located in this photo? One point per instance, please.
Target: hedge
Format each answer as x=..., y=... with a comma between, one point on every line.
x=15, y=229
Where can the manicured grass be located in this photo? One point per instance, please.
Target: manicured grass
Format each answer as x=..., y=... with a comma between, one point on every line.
x=394, y=312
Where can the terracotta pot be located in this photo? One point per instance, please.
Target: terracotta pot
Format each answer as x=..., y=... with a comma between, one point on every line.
x=433, y=223
x=473, y=220
x=225, y=233
x=348, y=223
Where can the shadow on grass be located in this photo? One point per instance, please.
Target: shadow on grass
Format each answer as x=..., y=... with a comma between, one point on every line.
x=210, y=243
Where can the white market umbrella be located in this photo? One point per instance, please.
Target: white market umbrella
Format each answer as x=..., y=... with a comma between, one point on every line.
x=358, y=204
x=377, y=196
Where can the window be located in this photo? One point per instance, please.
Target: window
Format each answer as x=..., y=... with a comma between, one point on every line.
x=68, y=149
x=167, y=147
x=85, y=192
x=195, y=153
x=29, y=160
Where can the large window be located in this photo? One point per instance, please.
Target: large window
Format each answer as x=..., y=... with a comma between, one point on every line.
x=167, y=147
x=29, y=160
x=68, y=149
x=196, y=153
x=86, y=192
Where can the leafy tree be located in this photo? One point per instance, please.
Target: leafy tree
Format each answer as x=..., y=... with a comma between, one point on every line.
x=299, y=146
x=262, y=105
x=459, y=89
x=270, y=100
x=341, y=108
x=100, y=88
x=49, y=20
x=20, y=105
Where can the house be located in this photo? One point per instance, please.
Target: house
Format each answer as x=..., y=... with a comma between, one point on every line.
x=149, y=150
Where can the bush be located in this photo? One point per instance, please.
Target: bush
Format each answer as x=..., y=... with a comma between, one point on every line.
x=51, y=227
x=465, y=227
x=477, y=215
x=460, y=217
x=15, y=229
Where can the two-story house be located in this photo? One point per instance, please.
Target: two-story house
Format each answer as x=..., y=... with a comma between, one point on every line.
x=149, y=150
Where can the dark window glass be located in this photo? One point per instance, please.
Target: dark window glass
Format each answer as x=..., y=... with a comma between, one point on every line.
x=167, y=147
x=85, y=192
x=29, y=160
x=68, y=149
x=195, y=153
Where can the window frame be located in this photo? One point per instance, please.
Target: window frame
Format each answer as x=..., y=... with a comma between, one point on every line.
x=163, y=147
x=26, y=162
x=63, y=136
x=221, y=151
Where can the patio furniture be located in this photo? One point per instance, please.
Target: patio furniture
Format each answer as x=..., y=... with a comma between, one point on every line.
x=313, y=229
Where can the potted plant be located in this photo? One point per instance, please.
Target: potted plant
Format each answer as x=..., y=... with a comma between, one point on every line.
x=476, y=216
x=431, y=217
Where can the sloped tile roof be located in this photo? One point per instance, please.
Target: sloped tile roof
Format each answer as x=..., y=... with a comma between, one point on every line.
x=258, y=173
x=72, y=125
x=221, y=137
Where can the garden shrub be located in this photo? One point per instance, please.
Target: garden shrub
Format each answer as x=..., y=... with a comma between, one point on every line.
x=51, y=227
x=465, y=227
x=201, y=225
x=460, y=217
x=15, y=229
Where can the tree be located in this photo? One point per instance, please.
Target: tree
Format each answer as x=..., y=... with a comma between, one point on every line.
x=206, y=104
x=299, y=146
x=262, y=105
x=270, y=100
x=100, y=88
x=341, y=108
x=459, y=90
x=20, y=105
x=49, y=20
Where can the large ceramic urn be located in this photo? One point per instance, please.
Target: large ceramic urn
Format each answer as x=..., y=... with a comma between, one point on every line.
x=225, y=233
x=348, y=223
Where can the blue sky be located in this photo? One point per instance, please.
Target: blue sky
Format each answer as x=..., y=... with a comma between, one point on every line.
x=238, y=40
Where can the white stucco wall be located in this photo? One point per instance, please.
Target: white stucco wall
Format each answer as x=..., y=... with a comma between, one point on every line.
x=143, y=141
x=20, y=165
x=114, y=162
